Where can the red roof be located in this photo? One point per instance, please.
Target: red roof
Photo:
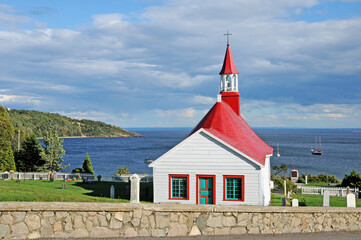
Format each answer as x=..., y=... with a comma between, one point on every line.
x=228, y=63
x=224, y=123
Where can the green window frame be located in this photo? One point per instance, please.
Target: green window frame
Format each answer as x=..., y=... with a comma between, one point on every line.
x=234, y=188
x=179, y=187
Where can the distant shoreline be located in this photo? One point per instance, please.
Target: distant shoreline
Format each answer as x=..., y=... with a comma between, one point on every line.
x=96, y=137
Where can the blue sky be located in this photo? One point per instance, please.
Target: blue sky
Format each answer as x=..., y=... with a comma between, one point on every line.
x=153, y=63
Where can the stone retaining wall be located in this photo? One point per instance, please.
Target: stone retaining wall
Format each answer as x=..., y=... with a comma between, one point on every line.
x=40, y=220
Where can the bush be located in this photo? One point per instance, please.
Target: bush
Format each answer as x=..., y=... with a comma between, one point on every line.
x=87, y=165
x=77, y=170
x=122, y=170
x=352, y=180
x=290, y=186
x=321, y=178
x=301, y=180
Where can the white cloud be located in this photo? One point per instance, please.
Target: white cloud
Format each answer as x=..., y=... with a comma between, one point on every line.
x=107, y=19
x=19, y=99
x=202, y=100
x=179, y=113
x=10, y=19
x=176, y=50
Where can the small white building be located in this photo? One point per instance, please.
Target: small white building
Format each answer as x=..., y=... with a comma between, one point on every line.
x=222, y=161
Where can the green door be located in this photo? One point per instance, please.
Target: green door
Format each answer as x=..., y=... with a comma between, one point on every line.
x=205, y=190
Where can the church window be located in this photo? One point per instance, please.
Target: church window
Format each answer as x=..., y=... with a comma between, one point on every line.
x=233, y=188
x=179, y=187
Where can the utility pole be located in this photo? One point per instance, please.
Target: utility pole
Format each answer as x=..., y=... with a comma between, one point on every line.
x=18, y=139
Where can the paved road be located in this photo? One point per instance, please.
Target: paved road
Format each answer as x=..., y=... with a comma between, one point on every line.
x=291, y=236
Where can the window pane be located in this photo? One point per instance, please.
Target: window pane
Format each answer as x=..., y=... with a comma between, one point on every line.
x=179, y=187
x=234, y=188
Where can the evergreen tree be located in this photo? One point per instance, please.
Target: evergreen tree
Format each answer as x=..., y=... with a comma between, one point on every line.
x=6, y=136
x=87, y=165
x=53, y=151
x=29, y=158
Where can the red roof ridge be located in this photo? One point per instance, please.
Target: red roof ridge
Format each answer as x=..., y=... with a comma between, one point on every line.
x=222, y=122
x=228, y=64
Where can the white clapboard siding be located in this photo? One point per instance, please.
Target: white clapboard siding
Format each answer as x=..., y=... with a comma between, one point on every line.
x=201, y=155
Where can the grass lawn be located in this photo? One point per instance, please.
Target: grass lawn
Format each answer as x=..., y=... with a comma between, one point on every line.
x=317, y=200
x=75, y=191
x=313, y=200
x=276, y=200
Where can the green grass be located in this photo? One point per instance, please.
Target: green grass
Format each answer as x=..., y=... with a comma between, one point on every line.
x=317, y=200
x=276, y=200
x=75, y=191
x=313, y=200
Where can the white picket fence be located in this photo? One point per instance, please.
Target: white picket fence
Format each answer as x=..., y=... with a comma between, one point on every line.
x=43, y=175
x=334, y=191
x=66, y=176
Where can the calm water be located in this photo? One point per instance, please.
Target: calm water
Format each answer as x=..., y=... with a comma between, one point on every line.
x=341, y=150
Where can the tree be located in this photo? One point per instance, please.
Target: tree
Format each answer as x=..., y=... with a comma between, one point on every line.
x=20, y=134
x=282, y=169
x=87, y=165
x=6, y=136
x=122, y=170
x=29, y=158
x=352, y=180
x=53, y=151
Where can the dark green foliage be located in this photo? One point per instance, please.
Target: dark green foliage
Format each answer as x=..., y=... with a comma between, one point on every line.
x=77, y=170
x=122, y=170
x=87, y=165
x=280, y=170
x=40, y=122
x=53, y=152
x=321, y=178
x=290, y=186
x=7, y=162
x=352, y=180
x=19, y=137
x=29, y=158
x=301, y=180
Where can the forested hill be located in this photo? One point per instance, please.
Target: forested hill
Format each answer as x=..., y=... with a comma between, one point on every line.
x=40, y=122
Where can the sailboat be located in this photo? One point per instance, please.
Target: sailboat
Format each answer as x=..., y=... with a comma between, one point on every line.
x=278, y=151
x=317, y=151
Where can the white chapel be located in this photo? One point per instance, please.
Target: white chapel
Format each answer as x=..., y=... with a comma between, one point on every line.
x=222, y=161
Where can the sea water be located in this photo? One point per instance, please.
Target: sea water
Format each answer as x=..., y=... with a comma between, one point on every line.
x=341, y=150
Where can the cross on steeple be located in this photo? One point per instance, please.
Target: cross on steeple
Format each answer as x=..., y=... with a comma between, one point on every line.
x=227, y=34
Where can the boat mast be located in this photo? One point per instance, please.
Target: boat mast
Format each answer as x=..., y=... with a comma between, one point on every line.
x=316, y=143
x=319, y=143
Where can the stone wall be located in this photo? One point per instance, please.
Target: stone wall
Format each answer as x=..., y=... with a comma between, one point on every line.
x=40, y=220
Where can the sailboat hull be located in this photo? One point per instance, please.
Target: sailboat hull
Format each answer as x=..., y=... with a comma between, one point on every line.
x=316, y=152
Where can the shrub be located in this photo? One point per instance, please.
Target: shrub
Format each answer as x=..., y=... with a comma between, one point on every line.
x=122, y=170
x=290, y=186
x=77, y=170
x=301, y=180
x=352, y=180
x=87, y=165
x=321, y=178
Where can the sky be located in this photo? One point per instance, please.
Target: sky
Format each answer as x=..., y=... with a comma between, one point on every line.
x=155, y=63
